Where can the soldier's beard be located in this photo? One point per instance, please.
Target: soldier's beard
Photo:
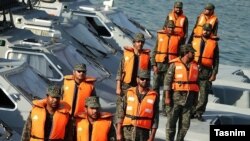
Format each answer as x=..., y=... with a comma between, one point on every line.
x=144, y=85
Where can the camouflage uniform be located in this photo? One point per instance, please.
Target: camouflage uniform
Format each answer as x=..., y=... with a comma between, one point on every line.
x=208, y=6
x=185, y=26
x=70, y=136
x=53, y=91
x=162, y=70
x=182, y=102
x=130, y=132
x=204, y=76
x=133, y=83
x=93, y=102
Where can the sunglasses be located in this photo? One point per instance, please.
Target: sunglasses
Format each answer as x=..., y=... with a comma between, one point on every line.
x=79, y=71
x=140, y=41
x=142, y=79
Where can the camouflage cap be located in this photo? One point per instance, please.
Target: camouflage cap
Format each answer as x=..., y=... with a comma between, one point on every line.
x=139, y=37
x=209, y=6
x=170, y=24
x=80, y=67
x=178, y=4
x=207, y=27
x=143, y=74
x=187, y=48
x=54, y=90
x=93, y=102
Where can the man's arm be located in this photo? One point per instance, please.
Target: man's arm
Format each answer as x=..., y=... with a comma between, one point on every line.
x=192, y=33
x=168, y=79
x=215, y=64
x=152, y=134
x=119, y=77
x=168, y=83
x=121, y=109
x=152, y=58
x=166, y=22
x=27, y=130
x=62, y=92
x=155, y=119
x=215, y=29
x=185, y=30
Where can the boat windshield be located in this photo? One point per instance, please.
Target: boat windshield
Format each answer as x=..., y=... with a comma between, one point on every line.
x=126, y=24
x=70, y=57
x=39, y=62
x=29, y=83
x=92, y=22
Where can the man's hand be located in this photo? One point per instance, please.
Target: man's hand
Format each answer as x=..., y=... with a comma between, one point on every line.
x=213, y=77
x=119, y=136
x=167, y=99
x=118, y=91
x=155, y=69
x=118, y=87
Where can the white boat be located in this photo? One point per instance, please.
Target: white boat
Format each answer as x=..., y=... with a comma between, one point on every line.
x=106, y=21
x=228, y=104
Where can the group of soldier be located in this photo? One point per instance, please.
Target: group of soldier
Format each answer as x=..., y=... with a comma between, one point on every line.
x=184, y=70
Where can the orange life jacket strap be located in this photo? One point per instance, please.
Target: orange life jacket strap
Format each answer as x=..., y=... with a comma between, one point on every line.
x=186, y=82
x=35, y=137
x=137, y=117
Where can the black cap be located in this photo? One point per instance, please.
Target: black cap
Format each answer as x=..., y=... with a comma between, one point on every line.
x=54, y=90
x=178, y=4
x=139, y=37
x=209, y=6
x=80, y=67
x=93, y=102
x=143, y=74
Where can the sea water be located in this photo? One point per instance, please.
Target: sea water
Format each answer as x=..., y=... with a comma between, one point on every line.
x=233, y=15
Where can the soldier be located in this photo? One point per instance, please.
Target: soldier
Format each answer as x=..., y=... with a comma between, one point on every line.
x=181, y=77
x=76, y=88
x=134, y=58
x=138, y=115
x=207, y=56
x=94, y=125
x=207, y=16
x=45, y=113
x=180, y=20
x=166, y=49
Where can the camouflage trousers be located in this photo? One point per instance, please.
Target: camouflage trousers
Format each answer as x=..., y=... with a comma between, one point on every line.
x=205, y=89
x=158, y=80
x=181, y=112
x=132, y=133
x=119, y=101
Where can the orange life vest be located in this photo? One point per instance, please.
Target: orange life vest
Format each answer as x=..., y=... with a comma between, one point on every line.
x=179, y=23
x=201, y=21
x=208, y=53
x=185, y=80
x=140, y=114
x=100, y=129
x=167, y=46
x=144, y=59
x=84, y=90
x=38, y=117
